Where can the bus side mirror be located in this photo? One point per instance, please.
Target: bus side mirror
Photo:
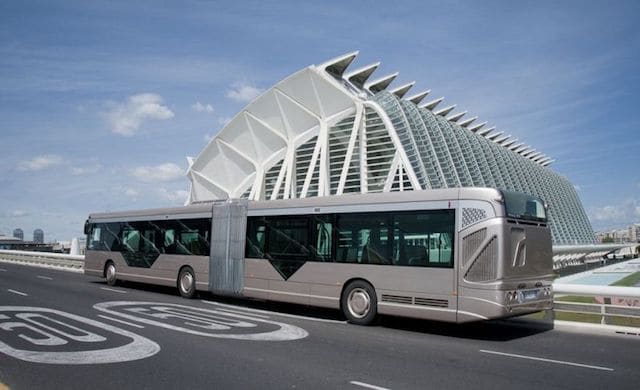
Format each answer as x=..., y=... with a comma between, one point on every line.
x=86, y=227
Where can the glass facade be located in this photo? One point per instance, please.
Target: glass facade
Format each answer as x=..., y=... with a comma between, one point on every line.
x=452, y=156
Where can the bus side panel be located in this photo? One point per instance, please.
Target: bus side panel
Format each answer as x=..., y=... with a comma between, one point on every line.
x=164, y=270
x=419, y=292
x=94, y=262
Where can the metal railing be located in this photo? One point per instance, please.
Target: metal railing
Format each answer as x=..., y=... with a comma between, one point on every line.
x=606, y=310
x=44, y=259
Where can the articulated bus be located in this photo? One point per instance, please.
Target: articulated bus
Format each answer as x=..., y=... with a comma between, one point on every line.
x=456, y=255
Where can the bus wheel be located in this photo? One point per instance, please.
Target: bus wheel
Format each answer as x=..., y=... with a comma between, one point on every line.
x=110, y=274
x=187, y=282
x=359, y=303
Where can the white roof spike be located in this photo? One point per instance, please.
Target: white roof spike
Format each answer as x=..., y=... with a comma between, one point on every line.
x=445, y=111
x=455, y=117
x=533, y=156
x=338, y=65
x=477, y=127
x=516, y=146
x=403, y=89
x=486, y=131
x=524, y=152
x=544, y=160
x=509, y=142
x=417, y=98
x=502, y=139
x=494, y=135
x=360, y=76
x=539, y=158
x=544, y=164
x=467, y=122
x=380, y=84
x=432, y=104
x=521, y=148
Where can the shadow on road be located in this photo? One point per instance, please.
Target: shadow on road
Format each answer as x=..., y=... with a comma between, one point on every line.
x=496, y=330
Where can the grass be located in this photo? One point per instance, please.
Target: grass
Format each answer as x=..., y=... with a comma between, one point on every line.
x=627, y=281
x=576, y=298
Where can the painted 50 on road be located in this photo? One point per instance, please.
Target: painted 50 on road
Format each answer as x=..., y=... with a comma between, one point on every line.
x=217, y=323
x=43, y=335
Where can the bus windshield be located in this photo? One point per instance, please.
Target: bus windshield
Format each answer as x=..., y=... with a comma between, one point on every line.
x=523, y=206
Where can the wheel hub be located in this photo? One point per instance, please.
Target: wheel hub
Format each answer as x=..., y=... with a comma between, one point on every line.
x=359, y=303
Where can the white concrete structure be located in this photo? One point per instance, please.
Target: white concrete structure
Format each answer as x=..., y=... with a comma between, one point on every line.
x=328, y=131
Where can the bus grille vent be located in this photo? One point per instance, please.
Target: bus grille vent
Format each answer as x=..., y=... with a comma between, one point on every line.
x=471, y=216
x=431, y=302
x=485, y=267
x=471, y=243
x=396, y=299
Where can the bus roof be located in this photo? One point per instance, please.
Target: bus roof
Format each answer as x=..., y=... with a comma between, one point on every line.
x=202, y=210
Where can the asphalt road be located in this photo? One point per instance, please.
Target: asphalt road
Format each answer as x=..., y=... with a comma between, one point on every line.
x=62, y=330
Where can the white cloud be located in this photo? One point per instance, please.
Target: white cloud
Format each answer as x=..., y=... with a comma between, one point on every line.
x=131, y=193
x=89, y=170
x=622, y=214
x=41, y=162
x=158, y=173
x=15, y=214
x=224, y=121
x=177, y=196
x=199, y=107
x=126, y=118
x=243, y=93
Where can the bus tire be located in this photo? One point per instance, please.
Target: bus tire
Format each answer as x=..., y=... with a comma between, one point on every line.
x=110, y=274
x=187, y=282
x=359, y=303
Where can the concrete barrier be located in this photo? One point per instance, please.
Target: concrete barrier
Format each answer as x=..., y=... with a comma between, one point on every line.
x=62, y=261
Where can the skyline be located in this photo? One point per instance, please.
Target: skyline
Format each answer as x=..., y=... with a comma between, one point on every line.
x=103, y=102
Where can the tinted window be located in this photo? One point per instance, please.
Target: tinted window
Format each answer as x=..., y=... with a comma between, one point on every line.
x=522, y=206
x=289, y=238
x=256, y=237
x=183, y=237
x=424, y=238
x=363, y=238
x=416, y=238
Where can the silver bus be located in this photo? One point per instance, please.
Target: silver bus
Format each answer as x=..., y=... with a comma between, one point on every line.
x=456, y=255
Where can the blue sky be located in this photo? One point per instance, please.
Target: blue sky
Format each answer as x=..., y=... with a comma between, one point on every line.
x=102, y=101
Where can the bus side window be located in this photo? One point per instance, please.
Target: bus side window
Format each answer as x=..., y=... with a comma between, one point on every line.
x=256, y=237
x=323, y=238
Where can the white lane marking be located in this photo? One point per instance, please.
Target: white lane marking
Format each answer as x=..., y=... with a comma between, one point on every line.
x=275, y=313
x=548, y=360
x=3, y=270
x=120, y=321
x=18, y=292
x=368, y=386
x=113, y=289
x=44, y=277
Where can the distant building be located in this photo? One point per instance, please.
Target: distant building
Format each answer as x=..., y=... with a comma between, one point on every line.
x=634, y=232
x=631, y=234
x=38, y=236
x=14, y=243
x=18, y=233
